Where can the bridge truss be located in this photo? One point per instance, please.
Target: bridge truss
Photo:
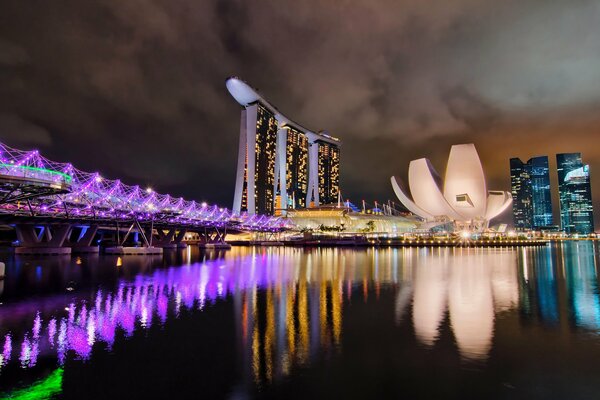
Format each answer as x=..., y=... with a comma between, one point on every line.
x=33, y=187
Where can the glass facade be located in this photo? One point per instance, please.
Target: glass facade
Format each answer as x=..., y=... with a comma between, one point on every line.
x=532, y=199
x=520, y=182
x=329, y=172
x=575, y=194
x=540, y=192
x=296, y=168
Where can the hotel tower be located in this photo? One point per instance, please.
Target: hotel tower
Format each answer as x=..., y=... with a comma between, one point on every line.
x=281, y=165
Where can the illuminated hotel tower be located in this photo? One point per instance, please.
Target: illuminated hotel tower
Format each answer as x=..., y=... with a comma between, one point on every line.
x=281, y=164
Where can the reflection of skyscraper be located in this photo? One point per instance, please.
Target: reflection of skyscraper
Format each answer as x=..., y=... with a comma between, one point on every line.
x=582, y=283
x=532, y=202
x=280, y=164
x=575, y=194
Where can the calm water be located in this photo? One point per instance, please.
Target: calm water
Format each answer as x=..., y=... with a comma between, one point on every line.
x=295, y=323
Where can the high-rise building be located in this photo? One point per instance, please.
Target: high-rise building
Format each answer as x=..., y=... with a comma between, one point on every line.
x=520, y=182
x=281, y=165
x=532, y=199
x=329, y=171
x=575, y=194
x=295, y=185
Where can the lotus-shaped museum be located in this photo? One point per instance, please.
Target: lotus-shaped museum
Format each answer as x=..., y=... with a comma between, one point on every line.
x=462, y=199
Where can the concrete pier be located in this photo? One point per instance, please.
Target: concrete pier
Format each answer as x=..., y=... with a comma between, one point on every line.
x=121, y=250
x=218, y=245
x=42, y=250
x=85, y=249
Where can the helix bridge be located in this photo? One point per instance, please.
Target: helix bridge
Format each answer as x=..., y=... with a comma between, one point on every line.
x=36, y=190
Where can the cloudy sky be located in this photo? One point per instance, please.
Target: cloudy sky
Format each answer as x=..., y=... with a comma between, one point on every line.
x=135, y=88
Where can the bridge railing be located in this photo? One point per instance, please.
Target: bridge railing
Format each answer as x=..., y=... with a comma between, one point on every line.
x=30, y=172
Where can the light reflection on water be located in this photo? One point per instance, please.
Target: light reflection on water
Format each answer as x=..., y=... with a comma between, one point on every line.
x=289, y=305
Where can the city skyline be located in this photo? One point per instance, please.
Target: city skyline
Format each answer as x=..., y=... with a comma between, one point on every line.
x=299, y=199
x=150, y=101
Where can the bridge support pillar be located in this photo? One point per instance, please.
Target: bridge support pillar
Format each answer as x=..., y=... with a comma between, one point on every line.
x=164, y=239
x=179, y=239
x=214, y=239
x=170, y=240
x=83, y=243
x=49, y=240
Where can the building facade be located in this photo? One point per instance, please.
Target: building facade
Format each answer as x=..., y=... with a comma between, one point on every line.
x=281, y=165
x=532, y=199
x=328, y=171
x=575, y=194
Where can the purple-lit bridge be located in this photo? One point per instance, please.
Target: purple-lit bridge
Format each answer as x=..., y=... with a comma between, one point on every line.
x=54, y=205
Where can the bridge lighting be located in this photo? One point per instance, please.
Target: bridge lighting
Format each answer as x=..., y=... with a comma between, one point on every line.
x=112, y=199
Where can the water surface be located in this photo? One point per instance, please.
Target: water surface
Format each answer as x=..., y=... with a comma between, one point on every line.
x=298, y=323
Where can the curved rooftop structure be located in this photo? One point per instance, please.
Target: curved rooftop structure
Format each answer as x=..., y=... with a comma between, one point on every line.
x=462, y=197
x=246, y=95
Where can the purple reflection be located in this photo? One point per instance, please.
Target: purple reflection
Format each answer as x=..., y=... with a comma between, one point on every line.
x=37, y=325
x=134, y=305
x=62, y=339
x=7, y=349
x=51, y=331
x=29, y=353
x=78, y=341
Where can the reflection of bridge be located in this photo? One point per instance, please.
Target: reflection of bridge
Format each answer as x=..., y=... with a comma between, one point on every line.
x=54, y=205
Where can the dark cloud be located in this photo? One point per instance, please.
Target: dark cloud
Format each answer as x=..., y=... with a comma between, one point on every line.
x=11, y=54
x=135, y=89
x=20, y=132
x=464, y=106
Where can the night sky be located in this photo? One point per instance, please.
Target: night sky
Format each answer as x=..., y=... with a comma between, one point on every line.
x=136, y=89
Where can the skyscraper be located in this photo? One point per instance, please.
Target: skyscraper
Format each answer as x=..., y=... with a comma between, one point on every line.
x=293, y=184
x=520, y=182
x=281, y=164
x=532, y=200
x=325, y=176
x=575, y=194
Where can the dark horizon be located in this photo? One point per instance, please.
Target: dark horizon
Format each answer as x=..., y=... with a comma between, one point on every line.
x=136, y=90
